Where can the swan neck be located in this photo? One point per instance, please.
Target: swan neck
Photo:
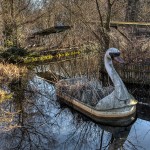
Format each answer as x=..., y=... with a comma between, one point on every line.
x=120, y=89
x=110, y=69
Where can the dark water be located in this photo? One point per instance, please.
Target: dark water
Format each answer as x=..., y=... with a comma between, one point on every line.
x=46, y=125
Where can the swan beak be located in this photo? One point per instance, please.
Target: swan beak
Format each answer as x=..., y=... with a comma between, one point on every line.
x=119, y=59
x=133, y=102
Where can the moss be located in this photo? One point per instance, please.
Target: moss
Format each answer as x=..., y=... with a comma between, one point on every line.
x=30, y=59
x=36, y=59
x=9, y=43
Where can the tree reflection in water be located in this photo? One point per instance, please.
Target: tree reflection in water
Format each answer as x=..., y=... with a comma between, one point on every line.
x=47, y=125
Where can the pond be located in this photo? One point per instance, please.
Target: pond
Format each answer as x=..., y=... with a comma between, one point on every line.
x=45, y=124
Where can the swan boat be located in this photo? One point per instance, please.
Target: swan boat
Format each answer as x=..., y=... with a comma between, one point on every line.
x=111, y=105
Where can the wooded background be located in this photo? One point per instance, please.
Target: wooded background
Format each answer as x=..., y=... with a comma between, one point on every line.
x=90, y=22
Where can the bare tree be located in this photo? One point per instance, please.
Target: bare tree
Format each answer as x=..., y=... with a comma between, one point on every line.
x=15, y=15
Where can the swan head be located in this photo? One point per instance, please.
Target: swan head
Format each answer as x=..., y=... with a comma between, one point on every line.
x=113, y=54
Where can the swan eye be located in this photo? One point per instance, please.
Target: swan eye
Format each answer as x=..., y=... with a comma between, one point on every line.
x=114, y=54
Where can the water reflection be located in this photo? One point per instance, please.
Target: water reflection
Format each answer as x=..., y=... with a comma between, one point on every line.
x=45, y=124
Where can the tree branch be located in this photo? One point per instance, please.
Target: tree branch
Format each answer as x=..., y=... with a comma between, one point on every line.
x=23, y=8
x=100, y=15
x=31, y=21
x=113, y=2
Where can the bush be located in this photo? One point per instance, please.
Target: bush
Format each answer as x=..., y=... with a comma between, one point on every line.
x=14, y=55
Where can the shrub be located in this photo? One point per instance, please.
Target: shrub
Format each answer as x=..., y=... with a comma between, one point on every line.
x=14, y=54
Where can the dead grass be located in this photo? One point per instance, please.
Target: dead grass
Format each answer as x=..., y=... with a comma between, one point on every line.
x=4, y=96
x=9, y=72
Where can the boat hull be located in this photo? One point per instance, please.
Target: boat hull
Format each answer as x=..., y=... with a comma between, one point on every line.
x=116, y=117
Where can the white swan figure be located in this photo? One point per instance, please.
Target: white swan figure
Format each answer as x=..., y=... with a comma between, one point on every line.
x=120, y=97
x=117, y=108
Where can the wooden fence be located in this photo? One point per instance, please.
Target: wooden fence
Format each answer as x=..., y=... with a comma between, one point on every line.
x=135, y=73
x=89, y=66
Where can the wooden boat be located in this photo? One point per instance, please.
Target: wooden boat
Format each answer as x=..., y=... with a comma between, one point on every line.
x=117, y=108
